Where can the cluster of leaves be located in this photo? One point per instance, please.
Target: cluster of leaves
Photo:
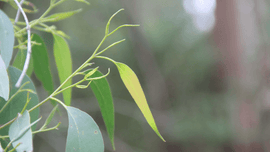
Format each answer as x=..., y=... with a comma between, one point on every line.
x=19, y=107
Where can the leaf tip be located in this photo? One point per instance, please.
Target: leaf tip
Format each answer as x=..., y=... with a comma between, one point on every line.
x=113, y=146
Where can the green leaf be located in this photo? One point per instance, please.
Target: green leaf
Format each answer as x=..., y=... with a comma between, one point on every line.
x=20, y=60
x=64, y=64
x=61, y=16
x=14, y=5
x=17, y=103
x=17, y=135
x=61, y=33
x=134, y=87
x=48, y=120
x=83, y=1
x=4, y=80
x=83, y=86
x=6, y=38
x=91, y=72
x=103, y=94
x=83, y=132
x=42, y=64
x=96, y=78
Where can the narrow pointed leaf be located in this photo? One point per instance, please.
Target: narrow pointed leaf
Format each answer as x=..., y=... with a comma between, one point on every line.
x=6, y=38
x=83, y=132
x=91, y=72
x=14, y=5
x=101, y=77
x=20, y=60
x=4, y=80
x=83, y=1
x=61, y=33
x=64, y=64
x=16, y=133
x=48, y=120
x=134, y=87
x=103, y=94
x=83, y=86
x=42, y=64
x=61, y=16
x=17, y=103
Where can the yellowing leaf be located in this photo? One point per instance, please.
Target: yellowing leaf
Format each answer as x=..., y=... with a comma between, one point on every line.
x=134, y=87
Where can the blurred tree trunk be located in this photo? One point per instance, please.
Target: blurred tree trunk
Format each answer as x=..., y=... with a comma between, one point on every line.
x=2, y=5
x=237, y=35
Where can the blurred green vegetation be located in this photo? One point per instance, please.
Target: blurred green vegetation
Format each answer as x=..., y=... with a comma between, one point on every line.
x=189, y=108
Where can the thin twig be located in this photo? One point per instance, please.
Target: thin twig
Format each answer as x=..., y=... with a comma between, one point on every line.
x=18, y=13
x=27, y=60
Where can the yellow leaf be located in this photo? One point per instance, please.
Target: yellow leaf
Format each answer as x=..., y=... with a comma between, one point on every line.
x=134, y=87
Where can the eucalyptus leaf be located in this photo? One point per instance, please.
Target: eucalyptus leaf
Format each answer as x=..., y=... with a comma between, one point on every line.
x=42, y=64
x=133, y=85
x=103, y=94
x=64, y=64
x=83, y=1
x=20, y=60
x=17, y=103
x=4, y=80
x=48, y=120
x=91, y=72
x=83, y=132
x=61, y=16
x=83, y=86
x=6, y=38
x=17, y=135
x=14, y=5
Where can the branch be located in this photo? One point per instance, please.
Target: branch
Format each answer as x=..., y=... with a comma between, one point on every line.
x=27, y=60
x=18, y=13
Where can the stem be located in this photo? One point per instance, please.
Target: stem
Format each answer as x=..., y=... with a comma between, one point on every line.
x=37, y=21
x=103, y=57
x=18, y=13
x=27, y=60
x=27, y=102
x=38, y=131
x=15, y=147
x=68, y=87
x=124, y=25
x=73, y=74
x=39, y=104
x=9, y=100
x=48, y=129
x=115, y=43
x=8, y=123
x=104, y=38
x=57, y=100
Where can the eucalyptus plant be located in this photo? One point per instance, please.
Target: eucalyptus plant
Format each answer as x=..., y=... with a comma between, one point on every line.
x=19, y=102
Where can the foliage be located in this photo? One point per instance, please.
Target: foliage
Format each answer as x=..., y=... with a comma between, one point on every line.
x=19, y=104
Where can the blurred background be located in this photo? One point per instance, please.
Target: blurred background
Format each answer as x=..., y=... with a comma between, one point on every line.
x=203, y=64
